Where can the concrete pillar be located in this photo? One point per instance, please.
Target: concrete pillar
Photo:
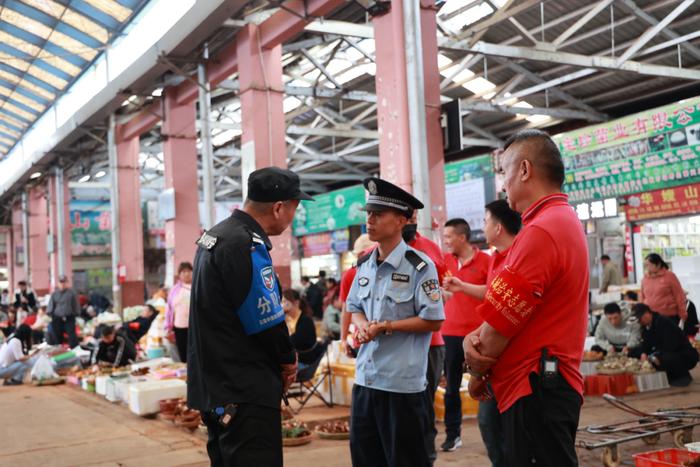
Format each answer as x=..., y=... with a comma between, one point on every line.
x=180, y=157
x=392, y=99
x=18, y=257
x=130, y=221
x=54, y=211
x=6, y=256
x=264, y=128
x=38, y=238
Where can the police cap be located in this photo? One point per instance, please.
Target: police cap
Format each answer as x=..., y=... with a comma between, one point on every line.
x=272, y=184
x=384, y=195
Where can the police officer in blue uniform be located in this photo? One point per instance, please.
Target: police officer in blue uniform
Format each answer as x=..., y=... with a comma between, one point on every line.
x=240, y=358
x=396, y=303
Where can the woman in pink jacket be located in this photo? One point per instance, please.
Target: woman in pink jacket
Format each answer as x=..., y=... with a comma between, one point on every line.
x=662, y=290
x=177, y=311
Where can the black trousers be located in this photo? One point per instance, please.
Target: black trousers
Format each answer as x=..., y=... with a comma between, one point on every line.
x=254, y=438
x=541, y=428
x=387, y=429
x=181, y=343
x=64, y=325
x=454, y=361
x=436, y=363
x=677, y=365
x=491, y=429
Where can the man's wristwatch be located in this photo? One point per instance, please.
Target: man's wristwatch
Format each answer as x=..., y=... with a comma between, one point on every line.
x=387, y=328
x=475, y=374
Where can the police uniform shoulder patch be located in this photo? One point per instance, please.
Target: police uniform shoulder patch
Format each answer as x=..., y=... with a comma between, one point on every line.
x=363, y=281
x=363, y=259
x=431, y=289
x=415, y=259
x=207, y=241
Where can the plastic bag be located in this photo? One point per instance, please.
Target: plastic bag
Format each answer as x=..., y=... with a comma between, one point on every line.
x=43, y=369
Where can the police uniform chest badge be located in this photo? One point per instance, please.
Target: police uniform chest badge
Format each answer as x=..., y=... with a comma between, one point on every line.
x=363, y=281
x=372, y=187
x=268, y=277
x=207, y=241
x=432, y=289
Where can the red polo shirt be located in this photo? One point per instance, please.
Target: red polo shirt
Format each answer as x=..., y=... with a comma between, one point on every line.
x=540, y=299
x=430, y=248
x=497, y=263
x=346, y=282
x=461, y=316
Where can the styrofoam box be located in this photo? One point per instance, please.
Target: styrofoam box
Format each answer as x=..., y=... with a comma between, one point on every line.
x=101, y=385
x=589, y=368
x=144, y=397
x=651, y=381
x=121, y=387
x=111, y=390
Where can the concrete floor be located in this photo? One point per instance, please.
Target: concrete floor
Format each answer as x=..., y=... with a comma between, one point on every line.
x=64, y=426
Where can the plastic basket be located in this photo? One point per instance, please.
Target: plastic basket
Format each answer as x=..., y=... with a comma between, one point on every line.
x=664, y=458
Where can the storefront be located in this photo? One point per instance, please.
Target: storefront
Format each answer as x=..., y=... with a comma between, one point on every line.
x=667, y=222
x=325, y=230
x=650, y=163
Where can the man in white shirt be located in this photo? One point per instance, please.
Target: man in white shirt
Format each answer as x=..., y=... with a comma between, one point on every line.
x=13, y=360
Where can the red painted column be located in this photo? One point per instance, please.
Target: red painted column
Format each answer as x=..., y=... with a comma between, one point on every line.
x=180, y=157
x=392, y=103
x=18, y=256
x=38, y=234
x=262, y=141
x=68, y=257
x=436, y=150
x=130, y=221
x=6, y=257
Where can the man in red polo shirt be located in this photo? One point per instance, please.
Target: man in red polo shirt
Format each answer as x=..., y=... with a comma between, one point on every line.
x=501, y=225
x=468, y=264
x=535, y=311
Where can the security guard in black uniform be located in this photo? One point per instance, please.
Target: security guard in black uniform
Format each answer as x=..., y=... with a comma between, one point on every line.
x=240, y=359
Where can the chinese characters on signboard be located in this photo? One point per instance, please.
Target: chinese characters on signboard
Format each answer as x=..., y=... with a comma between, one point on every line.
x=668, y=202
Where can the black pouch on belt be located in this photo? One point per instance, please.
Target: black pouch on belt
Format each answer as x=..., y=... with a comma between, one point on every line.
x=549, y=370
x=226, y=414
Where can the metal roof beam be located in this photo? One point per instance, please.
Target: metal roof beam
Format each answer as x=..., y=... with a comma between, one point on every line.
x=668, y=32
x=581, y=22
x=498, y=16
x=334, y=158
x=482, y=132
x=332, y=132
x=650, y=33
x=489, y=143
x=566, y=58
x=549, y=111
x=341, y=28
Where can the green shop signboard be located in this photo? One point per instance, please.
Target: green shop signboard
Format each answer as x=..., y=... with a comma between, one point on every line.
x=469, y=169
x=659, y=148
x=90, y=228
x=331, y=211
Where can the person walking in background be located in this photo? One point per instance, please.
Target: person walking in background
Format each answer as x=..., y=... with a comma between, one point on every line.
x=662, y=290
x=63, y=309
x=611, y=274
x=177, y=311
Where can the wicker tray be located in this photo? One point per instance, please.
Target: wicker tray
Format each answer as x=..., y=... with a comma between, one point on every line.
x=300, y=441
x=49, y=382
x=337, y=436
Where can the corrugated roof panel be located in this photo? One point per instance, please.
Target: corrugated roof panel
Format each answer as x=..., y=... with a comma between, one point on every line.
x=44, y=46
x=73, y=18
